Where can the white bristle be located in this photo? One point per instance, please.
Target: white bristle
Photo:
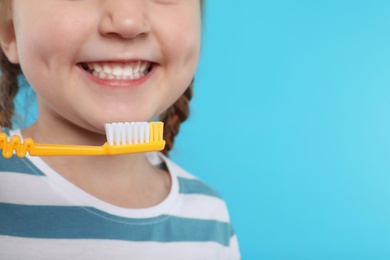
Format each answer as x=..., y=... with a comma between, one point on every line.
x=130, y=133
x=123, y=133
x=117, y=134
x=109, y=134
x=147, y=132
x=141, y=133
x=134, y=128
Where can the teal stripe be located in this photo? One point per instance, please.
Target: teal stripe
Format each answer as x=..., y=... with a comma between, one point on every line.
x=19, y=165
x=58, y=222
x=5, y=130
x=195, y=186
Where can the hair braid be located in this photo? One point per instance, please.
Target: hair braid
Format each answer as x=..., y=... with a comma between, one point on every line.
x=8, y=89
x=174, y=116
x=8, y=72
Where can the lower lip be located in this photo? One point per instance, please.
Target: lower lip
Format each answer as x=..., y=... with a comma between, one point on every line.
x=117, y=83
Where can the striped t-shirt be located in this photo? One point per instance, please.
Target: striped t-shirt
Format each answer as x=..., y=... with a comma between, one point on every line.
x=44, y=216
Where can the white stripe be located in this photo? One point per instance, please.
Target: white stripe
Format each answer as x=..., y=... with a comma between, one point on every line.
x=201, y=207
x=33, y=190
x=27, y=248
x=234, y=249
x=81, y=198
x=28, y=189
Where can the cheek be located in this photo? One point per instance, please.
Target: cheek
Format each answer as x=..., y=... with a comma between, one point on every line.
x=187, y=42
x=178, y=31
x=49, y=30
x=49, y=41
x=52, y=48
x=188, y=56
x=183, y=56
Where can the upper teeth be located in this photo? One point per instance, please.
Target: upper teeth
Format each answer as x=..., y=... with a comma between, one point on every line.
x=124, y=71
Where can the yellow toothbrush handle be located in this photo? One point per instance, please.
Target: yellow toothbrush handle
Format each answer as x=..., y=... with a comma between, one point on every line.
x=28, y=145
x=80, y=150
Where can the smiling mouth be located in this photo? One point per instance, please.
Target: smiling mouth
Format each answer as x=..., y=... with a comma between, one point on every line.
x=118, y=71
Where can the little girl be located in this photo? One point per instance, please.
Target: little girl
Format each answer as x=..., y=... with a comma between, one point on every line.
x=91, y=62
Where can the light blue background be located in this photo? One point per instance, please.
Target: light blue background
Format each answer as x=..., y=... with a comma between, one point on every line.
x=291, y=123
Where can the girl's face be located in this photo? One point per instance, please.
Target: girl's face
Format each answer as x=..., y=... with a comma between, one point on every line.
x=97, y=61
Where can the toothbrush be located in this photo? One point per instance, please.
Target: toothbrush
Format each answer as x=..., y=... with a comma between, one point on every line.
x=122, y=138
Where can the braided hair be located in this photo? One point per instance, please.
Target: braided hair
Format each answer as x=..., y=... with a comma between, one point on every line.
x=174, y=116
x=8, y=73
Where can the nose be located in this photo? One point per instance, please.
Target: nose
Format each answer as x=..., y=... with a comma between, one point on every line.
x=123, y=18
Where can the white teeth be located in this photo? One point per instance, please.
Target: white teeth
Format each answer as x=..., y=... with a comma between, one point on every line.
x=118, y=71
x=97, y=67
x=136, y=69
x=102, y=75
x=107, y=69
x=128, y=70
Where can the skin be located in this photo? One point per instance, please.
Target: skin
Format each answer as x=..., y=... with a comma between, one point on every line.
x=51, y=39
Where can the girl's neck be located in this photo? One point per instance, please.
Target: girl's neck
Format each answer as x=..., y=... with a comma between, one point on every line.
x=126, y=180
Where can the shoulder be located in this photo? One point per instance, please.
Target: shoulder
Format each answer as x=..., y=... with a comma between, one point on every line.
x=189, y=183
x=198, y=199
x=203, y=204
